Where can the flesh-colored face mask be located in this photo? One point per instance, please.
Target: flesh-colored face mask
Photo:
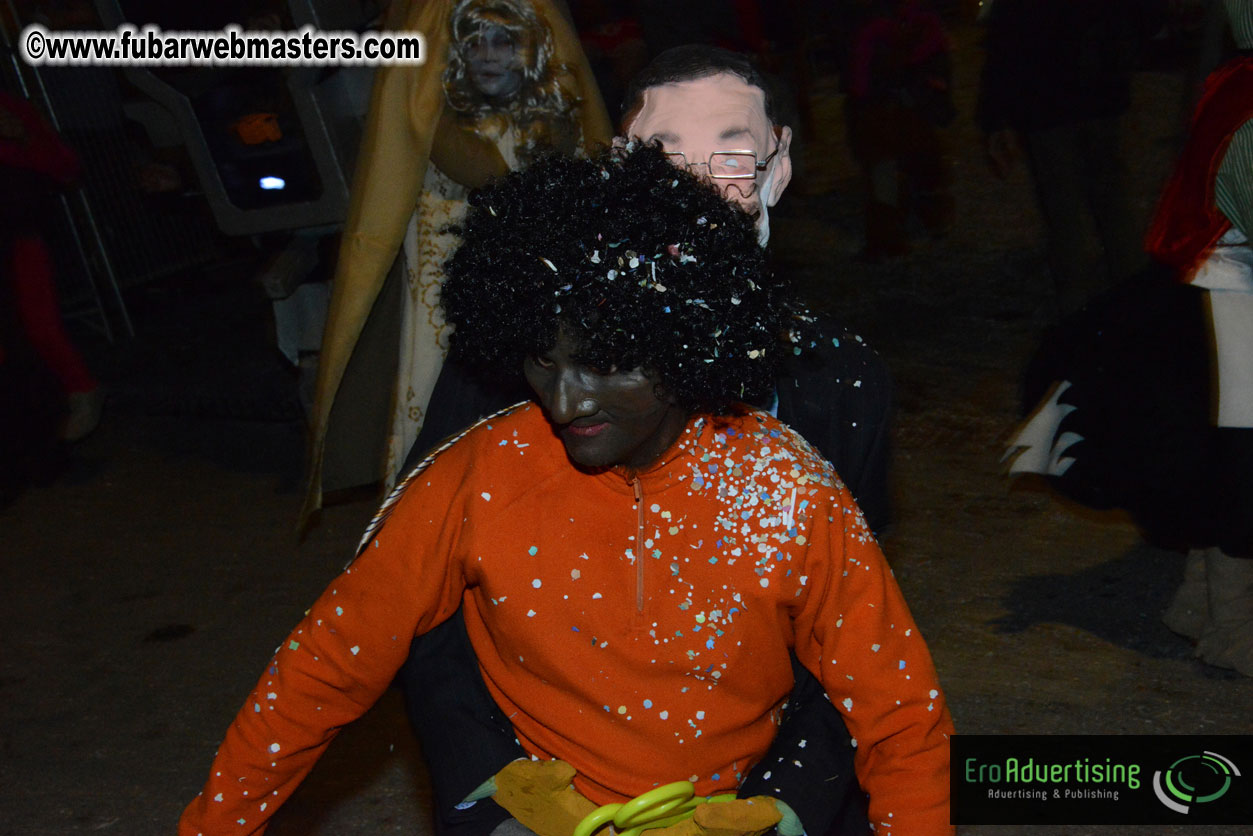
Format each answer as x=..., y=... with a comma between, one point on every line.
x=719, y=113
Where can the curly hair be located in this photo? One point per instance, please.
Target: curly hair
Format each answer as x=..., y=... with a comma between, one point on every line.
x=541, y=93
x=636, y=261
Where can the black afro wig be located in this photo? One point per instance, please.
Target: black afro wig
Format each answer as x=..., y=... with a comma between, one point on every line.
x=637, y=261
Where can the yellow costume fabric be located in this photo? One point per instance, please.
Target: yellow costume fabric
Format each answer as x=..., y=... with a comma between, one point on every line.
x=406, y=105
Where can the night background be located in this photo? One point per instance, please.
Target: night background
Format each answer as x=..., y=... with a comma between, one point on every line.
x=148, y=570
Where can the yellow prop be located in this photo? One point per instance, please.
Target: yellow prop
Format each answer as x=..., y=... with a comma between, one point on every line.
x=661, y=807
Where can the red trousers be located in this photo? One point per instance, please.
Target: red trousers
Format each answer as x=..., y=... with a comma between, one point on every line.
x=39, y=313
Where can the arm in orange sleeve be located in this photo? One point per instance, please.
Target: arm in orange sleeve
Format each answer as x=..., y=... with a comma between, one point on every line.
x=336, y=663
x=855, y=632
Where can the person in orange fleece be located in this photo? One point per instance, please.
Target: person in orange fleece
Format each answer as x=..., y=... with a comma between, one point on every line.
x=637, y=554
x=704, y=105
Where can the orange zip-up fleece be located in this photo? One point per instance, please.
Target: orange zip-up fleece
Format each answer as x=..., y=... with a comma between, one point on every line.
x=637, y=627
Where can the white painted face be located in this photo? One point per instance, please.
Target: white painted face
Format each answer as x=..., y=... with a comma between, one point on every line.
x=494, y=62
x=719, y=113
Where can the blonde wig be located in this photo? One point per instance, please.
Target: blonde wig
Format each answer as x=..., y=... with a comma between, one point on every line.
x=541, y=94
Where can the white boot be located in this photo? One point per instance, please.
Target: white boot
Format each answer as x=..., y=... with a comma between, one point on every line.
x=1227, y=640
x=84, y=414
x=1189, y=609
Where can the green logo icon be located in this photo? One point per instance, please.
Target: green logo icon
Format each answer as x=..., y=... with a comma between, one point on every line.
x=1194, y=779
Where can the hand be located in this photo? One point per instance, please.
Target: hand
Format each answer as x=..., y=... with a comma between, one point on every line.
x=734, y=817
x=741, y=817
x=539, y=795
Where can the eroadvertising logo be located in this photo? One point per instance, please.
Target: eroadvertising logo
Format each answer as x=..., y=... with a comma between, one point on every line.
x=1100, y=779
x=1194, y=779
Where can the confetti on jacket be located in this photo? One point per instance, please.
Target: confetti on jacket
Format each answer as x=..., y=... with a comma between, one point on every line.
x=637, y=627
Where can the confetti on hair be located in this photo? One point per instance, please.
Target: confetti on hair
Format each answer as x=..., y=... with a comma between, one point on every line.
x=692, y=258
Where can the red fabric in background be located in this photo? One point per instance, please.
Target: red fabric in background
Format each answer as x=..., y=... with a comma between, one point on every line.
x=1187, y=222
x=42, y=153
x=39, y=312
x=41, y=150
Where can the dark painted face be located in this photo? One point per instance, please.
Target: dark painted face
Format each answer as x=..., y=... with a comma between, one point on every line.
x=604, y=417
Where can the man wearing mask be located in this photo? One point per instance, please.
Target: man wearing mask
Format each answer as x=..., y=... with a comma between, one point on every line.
x=713, y=112
x=639, y=554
